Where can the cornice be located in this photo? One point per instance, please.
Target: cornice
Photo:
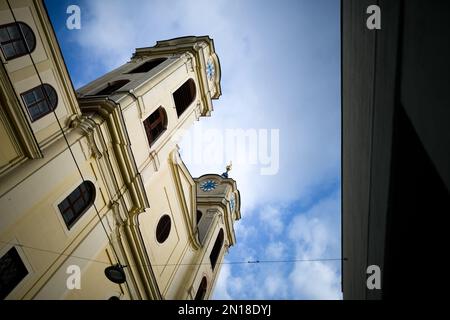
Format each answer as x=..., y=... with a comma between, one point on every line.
x=177, y=166
x=15, y=113
x=194, y=46
x=111, y=112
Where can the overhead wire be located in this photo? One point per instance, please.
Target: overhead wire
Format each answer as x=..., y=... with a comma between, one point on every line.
x=100, y=218
x=62, y=130
x=186, y=264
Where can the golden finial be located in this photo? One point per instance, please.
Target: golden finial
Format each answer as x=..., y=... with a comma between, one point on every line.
x=228, y=168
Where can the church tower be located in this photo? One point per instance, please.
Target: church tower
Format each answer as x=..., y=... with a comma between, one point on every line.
x=97, y=202
x=163, y=90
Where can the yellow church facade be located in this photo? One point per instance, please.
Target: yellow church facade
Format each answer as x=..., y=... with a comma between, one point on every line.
x=95, y=200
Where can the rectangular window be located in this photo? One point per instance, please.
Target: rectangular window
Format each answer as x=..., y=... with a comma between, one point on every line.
x=155, y=125
x=184, y=96
x=12, y=271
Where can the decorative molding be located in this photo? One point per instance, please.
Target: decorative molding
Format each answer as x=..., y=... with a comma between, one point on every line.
x=110, y=222
x=17, y=119
x=188, y=57
x=74, y=121
x=95, y=152
x=119, y=215
x=197, y=110
x=141, y=107
x=155, y=160
x=179, y=171
x=199, y=46
x=120, y=142
x=221, y=217
x=87, y=126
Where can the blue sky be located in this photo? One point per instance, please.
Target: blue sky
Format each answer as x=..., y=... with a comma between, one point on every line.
x=280, y=63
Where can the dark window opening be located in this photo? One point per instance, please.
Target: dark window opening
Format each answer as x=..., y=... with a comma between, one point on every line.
x=155, y=125
x=112, y=87
x=12, y=271
x=16, y=39
x=40, y=101
x=184, y=96
x=216, y=249
x=77, y=203
x=149, y=65
x=163, y=228
x=201, y=292
x=199, y=216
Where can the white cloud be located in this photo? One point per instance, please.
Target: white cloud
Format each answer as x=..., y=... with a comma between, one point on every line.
x=311, y=234
x=271, y=216
x=275, y=286
x=221, y=291
x=317, y=232
x=314, y=235
x=257, y=92
x=244, y=231
x=268, y=81
x=315, y=280
x=275, y=250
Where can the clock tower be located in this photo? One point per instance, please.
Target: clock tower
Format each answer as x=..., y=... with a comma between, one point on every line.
x=184, y=224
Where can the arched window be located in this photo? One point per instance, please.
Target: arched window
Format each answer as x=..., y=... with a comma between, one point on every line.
x=16, y=39
x=199, y=216
x=77, y=203
x=184, y=96
x=40, y=101
x=216, y=249
x=201, y=292
x=155, y=125
x=112, y=87
x=163, y=228
x=148, y=65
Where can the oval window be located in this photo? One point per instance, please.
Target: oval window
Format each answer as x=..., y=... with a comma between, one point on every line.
x=163, y=228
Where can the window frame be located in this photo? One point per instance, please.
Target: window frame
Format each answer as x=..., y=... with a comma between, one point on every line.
x=161, y=60
x=217, y=247
x=5, y=250
x=178, y=97
x=149, y=126
x=21, y=38
x=124, y=82
x=203, y=286
x=70, y=225
x=158, y=233
x=45, y=98
x=198, y=216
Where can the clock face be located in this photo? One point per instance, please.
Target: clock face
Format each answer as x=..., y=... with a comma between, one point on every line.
x=210, y=70
x=208, y=185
